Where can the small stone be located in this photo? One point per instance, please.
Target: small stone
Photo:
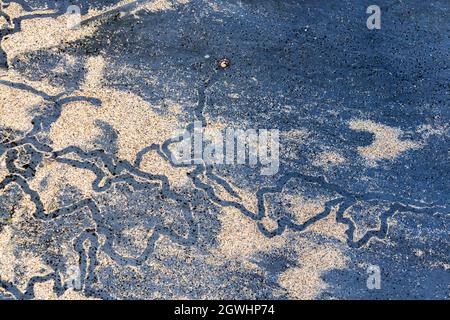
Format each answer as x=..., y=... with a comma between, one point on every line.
x=224, y=63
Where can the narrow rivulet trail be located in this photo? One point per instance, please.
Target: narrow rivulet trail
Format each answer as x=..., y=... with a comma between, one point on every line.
x=110, y=170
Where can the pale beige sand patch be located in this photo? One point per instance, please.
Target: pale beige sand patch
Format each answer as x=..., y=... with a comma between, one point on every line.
x=3, y=170
x=190, y=256
x=137, y=125
x=57, y=177
x=138, y=235
x=7, y=258
x=305, y=281
x=387, y=143
x=3, y=23
x=95, y=67
x=44, y=291
x=268, y=223
x=150, y=6
x=15, y=107
x=157, y=5
x=44, y=33
x=247, y=197
x=42, y=85
x=304, y=208
x=50, y=32
x=155, y=164
x=328, y=227
x=239, y=237
x=32, y=265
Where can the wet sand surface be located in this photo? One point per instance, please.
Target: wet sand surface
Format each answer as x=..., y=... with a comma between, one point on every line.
x=88, y=186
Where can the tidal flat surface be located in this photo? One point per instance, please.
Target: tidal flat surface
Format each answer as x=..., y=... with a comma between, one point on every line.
x=92, y=205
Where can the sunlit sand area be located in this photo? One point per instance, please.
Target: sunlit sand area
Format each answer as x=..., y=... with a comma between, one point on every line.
x=340, y=192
